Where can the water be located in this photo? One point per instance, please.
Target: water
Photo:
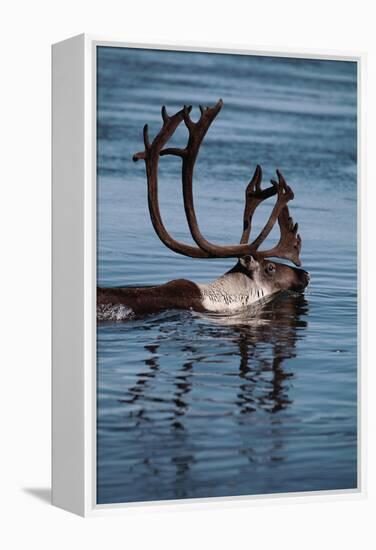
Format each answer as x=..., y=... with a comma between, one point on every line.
x=193, y=405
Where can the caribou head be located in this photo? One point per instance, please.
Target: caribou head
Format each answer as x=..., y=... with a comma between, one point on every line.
x=254, y=276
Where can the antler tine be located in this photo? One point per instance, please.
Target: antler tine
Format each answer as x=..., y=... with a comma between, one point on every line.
x=255, y=182
x=254, y=195
x=151, y=157
x=146, y=137
x=290, y=242
x=284, y=195
x=177, y=151
x=165, y=116
x=187, y=119
x=142, y=155
x=282, y=180
x=190, y=124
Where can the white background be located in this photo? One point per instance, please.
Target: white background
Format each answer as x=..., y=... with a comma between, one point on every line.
x=27, y=30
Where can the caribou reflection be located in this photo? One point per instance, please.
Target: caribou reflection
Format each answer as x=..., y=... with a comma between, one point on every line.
x=261, y=341
x=277, y=324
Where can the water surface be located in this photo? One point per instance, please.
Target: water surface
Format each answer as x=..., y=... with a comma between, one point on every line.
x=195, y=405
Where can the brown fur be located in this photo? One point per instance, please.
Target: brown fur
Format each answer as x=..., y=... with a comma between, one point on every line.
x=178, y=294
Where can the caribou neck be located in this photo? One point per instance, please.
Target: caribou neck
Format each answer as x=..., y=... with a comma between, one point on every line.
x=234, y=290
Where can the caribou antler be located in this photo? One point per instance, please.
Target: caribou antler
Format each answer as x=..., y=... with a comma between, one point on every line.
x=289, y=244
x=151, y=157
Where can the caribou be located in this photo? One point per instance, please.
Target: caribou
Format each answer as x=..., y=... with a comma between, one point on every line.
x=254, y=277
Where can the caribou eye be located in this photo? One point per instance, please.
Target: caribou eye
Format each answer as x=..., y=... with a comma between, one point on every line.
x=270, y=268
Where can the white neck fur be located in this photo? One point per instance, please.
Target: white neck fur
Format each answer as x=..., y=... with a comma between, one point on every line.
x=231, y=292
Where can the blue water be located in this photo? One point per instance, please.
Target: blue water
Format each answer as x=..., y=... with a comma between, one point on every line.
x=192, y=405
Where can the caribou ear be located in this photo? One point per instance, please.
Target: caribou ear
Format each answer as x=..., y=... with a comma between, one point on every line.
x=248, y=262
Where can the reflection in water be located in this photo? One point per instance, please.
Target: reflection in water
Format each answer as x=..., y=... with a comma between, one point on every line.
x=275, y=323
x=261, y=340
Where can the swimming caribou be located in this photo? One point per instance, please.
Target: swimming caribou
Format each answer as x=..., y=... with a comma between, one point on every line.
x=253, y=277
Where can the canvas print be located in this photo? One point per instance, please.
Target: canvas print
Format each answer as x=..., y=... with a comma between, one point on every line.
x=226, y=275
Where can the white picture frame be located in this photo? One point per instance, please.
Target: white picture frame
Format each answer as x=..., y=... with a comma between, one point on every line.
x=74, y=278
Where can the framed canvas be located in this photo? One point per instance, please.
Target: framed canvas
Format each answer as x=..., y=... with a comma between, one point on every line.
x=206, y=299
